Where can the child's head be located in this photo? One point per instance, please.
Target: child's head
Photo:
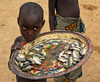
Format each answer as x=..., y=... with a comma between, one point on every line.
x=30, y=20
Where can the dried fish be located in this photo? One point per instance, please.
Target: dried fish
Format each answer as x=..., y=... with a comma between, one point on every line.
x=66, y=56
x=76, y=59
x=61, y=53
x=27, y=68
x=76, y=54
x=62, y=59
x=37, y=60
x=68, y=52
x=83, y=51
x=20, y=59
x=66, y=65
x=70, y=61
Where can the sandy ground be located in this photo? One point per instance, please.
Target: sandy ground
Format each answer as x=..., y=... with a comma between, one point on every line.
x=9, y=30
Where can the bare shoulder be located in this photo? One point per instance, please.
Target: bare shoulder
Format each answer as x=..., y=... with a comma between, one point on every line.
x=19, y=39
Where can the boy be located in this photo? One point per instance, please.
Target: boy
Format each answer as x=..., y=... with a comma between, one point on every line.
x=67, y=18
x=30, y=21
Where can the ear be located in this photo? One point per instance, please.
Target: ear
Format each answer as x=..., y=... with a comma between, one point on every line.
x=18, y=20
x=43, y=22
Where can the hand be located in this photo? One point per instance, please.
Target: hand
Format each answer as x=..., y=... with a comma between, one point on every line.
x=16, y=45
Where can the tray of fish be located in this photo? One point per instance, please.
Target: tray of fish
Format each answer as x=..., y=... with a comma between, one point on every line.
x=52, y=54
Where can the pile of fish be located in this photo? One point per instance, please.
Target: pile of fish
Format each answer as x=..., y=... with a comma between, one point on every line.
x=72, y=53
x=28, y=58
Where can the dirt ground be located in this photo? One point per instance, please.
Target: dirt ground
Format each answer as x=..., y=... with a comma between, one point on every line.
x=9, y=30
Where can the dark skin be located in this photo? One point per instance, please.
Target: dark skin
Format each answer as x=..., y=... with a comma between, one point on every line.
x=65, y=8
x=30, y=27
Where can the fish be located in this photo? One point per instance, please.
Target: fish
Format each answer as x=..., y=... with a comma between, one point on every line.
x=43, y=57
x=82, y=45
x=20, y=59
x=68, y=52
x=56, y=43
x=43, y=53
x=76, y=54
x=29, y=58
x=31, y=53
x=27, y=68
x=37, y=60
x=21, y=55
x=76, y=59
x=37, y=49
x=20, y=64
x=70, y=61
x=27, y=51
x=75, y=48
x=83, y=51
x=74, y=63
x=66, y=65
x=72, y=45
x=61, y=53
x=62, y=59
x=66, y=56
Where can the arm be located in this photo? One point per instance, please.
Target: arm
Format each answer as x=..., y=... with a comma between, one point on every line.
x=17, y=45
x=51, y=13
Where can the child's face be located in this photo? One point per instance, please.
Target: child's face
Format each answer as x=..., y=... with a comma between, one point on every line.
x=30, y=26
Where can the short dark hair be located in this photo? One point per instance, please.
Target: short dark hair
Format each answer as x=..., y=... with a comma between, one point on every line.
x=31, y=8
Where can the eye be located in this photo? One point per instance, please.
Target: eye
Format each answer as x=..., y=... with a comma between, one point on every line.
x=24, y=28
x=35, y=28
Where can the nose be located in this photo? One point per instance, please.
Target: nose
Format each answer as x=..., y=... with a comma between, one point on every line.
x=30, y=32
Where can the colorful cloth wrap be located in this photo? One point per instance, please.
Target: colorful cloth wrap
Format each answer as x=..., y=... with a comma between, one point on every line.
x=70, y=77
x=69, y=24
x=75, y=25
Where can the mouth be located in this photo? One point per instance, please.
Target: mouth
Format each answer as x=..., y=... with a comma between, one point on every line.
x=30, y=38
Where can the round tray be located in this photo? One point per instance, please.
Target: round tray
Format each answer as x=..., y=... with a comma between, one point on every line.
x=47, y=69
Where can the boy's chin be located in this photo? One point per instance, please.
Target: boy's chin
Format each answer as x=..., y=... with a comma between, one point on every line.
x=30, y=40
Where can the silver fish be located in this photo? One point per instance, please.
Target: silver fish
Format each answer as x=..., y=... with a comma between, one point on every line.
x=76, y=54
x=68, y=52
x=83, y=51
x=20, y=64
x=30, y=53
x=82, y=45
x=20, y=59
x=27, y=68
x=21, y=55
x=61, y=53
x=65, y=55
x=62, y=59
x=75, y=48
x=66, y=65
x=43, y=57
x=37, y=60
x=55, y=43
x=29, y=58
x=43, y=53
x=74, y=63
x=37, y=49
x=72, y=45
x=70, y=61
x=27, y=51
x=76, y=59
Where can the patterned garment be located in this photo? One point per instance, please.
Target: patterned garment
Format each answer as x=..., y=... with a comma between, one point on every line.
x=75, y=25
x=69, y=24
x=70, y=77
